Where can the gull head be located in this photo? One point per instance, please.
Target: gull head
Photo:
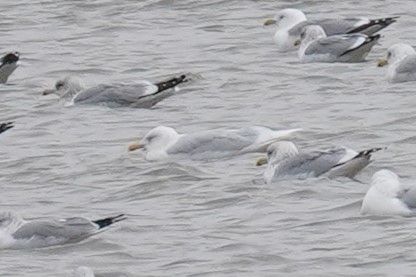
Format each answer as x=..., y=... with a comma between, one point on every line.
x=385, y=196
x=286, y=18
x=279, y=151
x=310, y=33
x=386, y=182
x=156, y=142
x=67, y=86
x=396, y=53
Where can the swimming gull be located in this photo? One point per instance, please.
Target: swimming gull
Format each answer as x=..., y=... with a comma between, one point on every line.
x=290, y=23
x=84, y=271
x=315, y=46
x=387, y=196
x=5, y=126
x=401, y=59
x=8, y=65
x=16, y=232
x=142, y=94
x=284, y=161
x=163, y=142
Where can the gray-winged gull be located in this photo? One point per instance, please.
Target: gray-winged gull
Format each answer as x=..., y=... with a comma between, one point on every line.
x=387, y=196
x=401, y=59
x=141, y=94
x=284, y=161
x=5, y=126
x=315, y=46
x=164, y=142
x=16, y=232
x=290, y=23
x=8, y=65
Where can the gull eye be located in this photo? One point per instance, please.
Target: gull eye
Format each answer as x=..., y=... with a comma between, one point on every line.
x=150, y=138
x=269, y=153
x=59, y=85
x=388, y=55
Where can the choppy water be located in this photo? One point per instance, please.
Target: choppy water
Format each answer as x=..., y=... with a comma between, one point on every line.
x=196, y=218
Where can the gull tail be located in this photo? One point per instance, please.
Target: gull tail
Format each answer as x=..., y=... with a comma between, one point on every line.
x=5, y=126
x=353, y=166
x=171, y=83
x=374, y=25
x=102, y=223
x=369, y=42
x=367, y=153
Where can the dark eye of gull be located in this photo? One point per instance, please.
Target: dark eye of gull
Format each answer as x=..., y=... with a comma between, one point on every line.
x=388, y=55
x=59, y=85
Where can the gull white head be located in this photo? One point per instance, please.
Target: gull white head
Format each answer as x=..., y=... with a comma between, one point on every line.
x=156, y=142
x=66, y=87
x=383, y=197
x=281, y=150
x=276, y=153
x=310, y=33
x=287, y=18
x=396, y=53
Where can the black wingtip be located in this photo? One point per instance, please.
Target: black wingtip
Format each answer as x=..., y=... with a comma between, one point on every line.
x=6, y=126
x=171, y=83
x=367, y=153
x=10, y=58
x=102, y=223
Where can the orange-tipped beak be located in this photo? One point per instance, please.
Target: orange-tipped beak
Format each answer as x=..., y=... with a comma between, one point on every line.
x=269, y=21
x=135, y=146
x=48, y=91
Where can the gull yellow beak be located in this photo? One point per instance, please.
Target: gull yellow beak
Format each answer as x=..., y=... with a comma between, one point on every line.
x=48, y=91
x=382, y=62
x=297, y=42
x=135, y=146
x=269, y=21
x=261, y=161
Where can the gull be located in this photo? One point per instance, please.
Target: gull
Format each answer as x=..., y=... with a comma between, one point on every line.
x=16, y=232
x=387, y=196
x=315, y=46
x=284, y=161
x=142, y=94
x=163, y=142
x=401, y=59
x=8, y=64
x=290, y=23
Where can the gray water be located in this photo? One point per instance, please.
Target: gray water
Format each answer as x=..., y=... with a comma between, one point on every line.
x=200, y=218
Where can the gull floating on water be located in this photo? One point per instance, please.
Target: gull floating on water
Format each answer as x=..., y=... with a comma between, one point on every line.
x=16, y=232
x=163, y=142
x=5, y=126
x=290, y=23
x=8, y=65
x=141, y=94
x=315, y=46
x=401, y=59
x=387, y=196
x=285, y=161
